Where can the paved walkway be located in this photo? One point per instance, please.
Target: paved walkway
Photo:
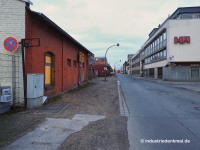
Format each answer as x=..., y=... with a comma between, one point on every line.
x=50, y=134
x=194, y=86
x=90, y=112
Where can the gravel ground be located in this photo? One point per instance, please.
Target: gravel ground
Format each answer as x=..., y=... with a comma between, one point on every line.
x=98, y=98
x=106, y=134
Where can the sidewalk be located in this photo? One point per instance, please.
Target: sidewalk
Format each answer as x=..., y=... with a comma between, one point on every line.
x=106, y=130
x=193, y=86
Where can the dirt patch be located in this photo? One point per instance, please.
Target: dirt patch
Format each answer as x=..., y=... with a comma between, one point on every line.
x=98, y=98
x=13, y=126
x=106, y=134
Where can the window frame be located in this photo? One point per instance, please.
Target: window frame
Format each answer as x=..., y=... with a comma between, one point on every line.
x=75, y=63
x=51, y=83
x=69, y=62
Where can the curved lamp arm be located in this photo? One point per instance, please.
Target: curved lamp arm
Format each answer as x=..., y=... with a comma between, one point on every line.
x=108, y=49
x=105, y=57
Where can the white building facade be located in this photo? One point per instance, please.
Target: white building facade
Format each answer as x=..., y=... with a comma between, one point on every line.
x=172, y=51
x=129, y=65
x=12, y=17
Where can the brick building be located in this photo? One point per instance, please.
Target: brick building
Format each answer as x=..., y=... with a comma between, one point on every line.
x=61, y=59
x=99, y=67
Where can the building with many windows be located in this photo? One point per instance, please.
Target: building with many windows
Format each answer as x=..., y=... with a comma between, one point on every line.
x=172, y=50
x=128, y=67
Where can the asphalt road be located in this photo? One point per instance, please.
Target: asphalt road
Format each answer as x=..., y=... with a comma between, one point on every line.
x=162, y=116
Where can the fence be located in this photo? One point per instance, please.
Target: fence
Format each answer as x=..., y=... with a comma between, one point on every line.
x=180, y=73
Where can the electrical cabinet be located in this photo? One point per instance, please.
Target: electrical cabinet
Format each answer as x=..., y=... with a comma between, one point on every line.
x=35, y=85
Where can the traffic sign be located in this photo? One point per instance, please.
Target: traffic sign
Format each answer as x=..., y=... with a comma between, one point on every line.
x=10, y=44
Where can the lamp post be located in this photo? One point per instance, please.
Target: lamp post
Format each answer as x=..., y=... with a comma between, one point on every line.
x=114, y=65
x=105, y=68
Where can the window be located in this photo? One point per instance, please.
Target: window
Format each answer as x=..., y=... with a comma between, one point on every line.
x=161, y=39
x=69, y=62
x=157, y=43
x=75, y=63
x=164, y=36
x=148, y=49
x=195, y=71
x=164, y=39
x=49, y=70
x=165, y=53
x=151, y=46
x=160, y=55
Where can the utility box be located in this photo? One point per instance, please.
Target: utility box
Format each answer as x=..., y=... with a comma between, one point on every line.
x=35, y=90
x=5, y=98
x=5, y=94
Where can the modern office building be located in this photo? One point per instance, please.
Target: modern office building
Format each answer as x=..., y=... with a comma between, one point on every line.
x=172, y=51
x=128, y=67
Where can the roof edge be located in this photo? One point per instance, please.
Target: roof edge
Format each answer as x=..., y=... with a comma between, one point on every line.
x=56, y=27
x=27, y=1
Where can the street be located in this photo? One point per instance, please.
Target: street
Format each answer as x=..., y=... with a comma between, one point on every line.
x=162, y=115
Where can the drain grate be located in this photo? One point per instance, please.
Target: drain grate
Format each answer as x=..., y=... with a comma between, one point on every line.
x=51, y=109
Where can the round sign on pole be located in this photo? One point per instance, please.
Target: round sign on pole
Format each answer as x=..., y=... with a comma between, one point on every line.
x=10, y=44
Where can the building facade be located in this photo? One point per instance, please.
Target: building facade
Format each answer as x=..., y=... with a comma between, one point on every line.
x=172, y=50
x=12, y=17
x=99, y=67
x=48, y=50
x=129, y=65
x=62, y=60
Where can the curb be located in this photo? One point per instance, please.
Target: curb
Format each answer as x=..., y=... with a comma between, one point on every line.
x=124, y=111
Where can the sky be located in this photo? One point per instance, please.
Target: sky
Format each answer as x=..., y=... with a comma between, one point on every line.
x=99, y=24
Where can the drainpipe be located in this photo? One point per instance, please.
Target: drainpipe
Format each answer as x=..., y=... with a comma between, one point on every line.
x=79, y=68
x=62, y=67
x=24, y=75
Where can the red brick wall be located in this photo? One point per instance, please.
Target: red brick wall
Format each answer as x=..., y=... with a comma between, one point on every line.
x=100, y=68
x=51, y=41
x=70, y=74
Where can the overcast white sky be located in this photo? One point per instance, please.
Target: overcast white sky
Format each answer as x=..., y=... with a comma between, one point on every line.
x=98, y=24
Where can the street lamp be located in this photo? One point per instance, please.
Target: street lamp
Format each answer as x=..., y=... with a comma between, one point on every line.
x=114, y=65
x=105, y=68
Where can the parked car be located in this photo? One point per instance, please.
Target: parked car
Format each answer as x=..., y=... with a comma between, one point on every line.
x=112, y=73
